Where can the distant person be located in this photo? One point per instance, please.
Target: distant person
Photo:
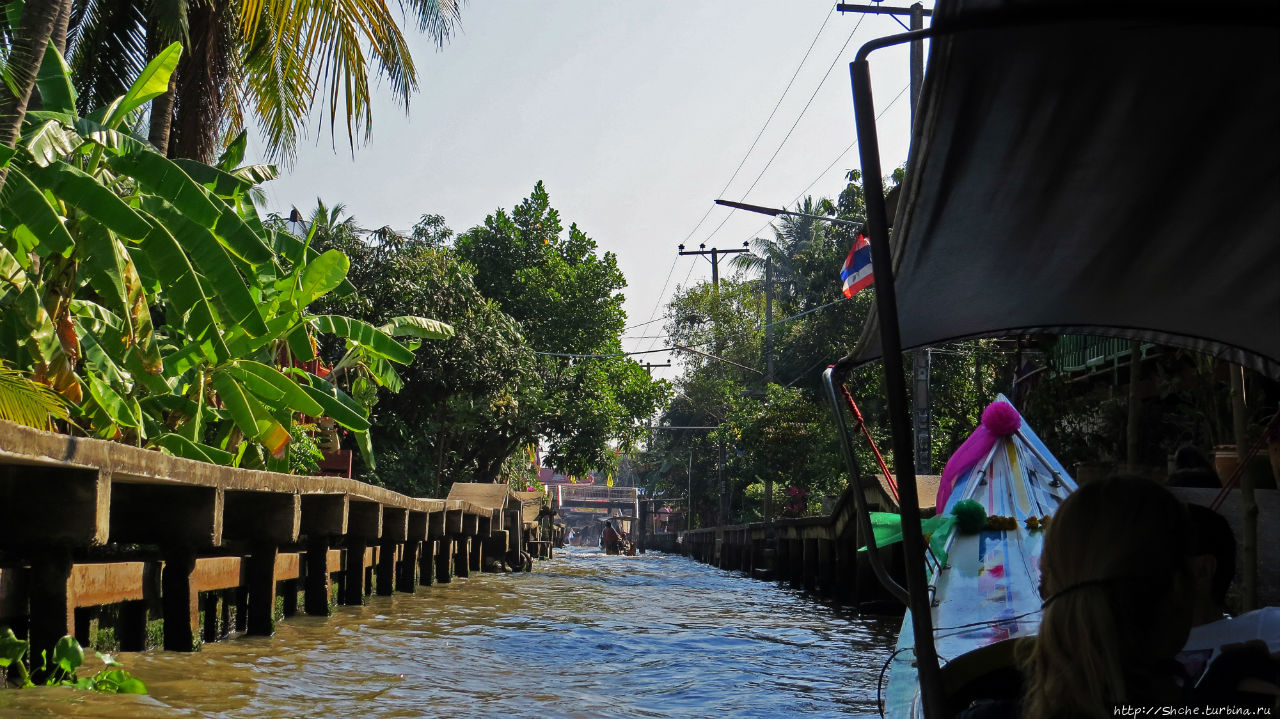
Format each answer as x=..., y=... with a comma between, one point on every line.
x=1116, y=581
x=1193, y=469
x=609, y=539
x=1213, y=562
x=1228, y=660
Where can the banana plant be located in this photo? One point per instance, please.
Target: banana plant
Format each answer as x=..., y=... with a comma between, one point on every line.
x=150, y=295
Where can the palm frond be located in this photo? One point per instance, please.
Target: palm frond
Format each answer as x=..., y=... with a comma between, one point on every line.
x=106, y=48
x=437, y=18
x=27, y=402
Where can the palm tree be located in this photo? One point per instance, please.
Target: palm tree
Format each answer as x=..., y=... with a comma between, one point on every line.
x=25, y=51
x=273, y=60
x=792, y=248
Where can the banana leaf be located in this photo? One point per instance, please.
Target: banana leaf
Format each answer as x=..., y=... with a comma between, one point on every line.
x=365, y=335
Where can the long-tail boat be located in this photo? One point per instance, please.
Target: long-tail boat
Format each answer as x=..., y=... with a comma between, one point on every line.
x=1101, y=167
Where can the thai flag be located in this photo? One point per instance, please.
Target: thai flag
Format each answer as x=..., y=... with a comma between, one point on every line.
x=857, y=267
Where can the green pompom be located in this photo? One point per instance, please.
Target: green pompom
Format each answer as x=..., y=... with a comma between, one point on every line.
x=970, y=516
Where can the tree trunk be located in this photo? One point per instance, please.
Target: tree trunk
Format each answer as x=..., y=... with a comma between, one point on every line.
x=30, y=39
x=162, y=118
x=59, y=35
x=161, y=121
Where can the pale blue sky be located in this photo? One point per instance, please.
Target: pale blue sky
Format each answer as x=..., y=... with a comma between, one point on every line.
x=633, y=114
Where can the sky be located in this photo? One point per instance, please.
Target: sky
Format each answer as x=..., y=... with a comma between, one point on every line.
x=634, y=115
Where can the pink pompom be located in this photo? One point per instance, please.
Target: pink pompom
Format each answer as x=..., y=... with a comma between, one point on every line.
x=1000, y=418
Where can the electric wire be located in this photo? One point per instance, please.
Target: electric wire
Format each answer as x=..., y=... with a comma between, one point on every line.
x=799, y=117
x=765, y=126
x=658, y=303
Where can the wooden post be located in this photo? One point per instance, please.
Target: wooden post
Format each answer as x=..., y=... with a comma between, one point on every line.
x=261, y=571
x=181, y=617
x=317, y=588
x=386, y=568
x=406, y=578
x=462, y=556
x=427, y=563
x=353, y=572
x=810, y=563
x=210, y=632
x=227, y=600
x=846, y=579
x=131, y=629
x=242, y=609
x=795, y=562
x=52, y=607
x=826, y=567
x=477, y=554
x=444, y=560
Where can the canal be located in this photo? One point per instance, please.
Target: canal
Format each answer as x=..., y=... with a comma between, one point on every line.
x=583, y=635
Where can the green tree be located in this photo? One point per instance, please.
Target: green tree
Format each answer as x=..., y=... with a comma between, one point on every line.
x=274, y=60
x=148, y=293
x=567, y=300
x=463, y=401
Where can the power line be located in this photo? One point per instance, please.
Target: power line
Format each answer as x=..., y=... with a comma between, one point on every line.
x=658, y=303
x=839, y=157
x=642, y=324
x=799, y=117
x=766, y=122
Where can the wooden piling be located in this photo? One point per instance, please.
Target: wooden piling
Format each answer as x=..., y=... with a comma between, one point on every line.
x=427, y=563
x=406, y=575
x=317, y=582
x=462, y=556
x=181, y=616
x=444, y=560
x=52, y=608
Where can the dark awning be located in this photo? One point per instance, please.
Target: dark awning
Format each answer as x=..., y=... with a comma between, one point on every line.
x=1110, y=177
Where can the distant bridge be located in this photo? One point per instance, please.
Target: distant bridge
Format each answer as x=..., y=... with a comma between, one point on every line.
x=570, y=496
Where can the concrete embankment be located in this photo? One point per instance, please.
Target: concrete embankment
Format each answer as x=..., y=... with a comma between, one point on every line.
x=88, y=525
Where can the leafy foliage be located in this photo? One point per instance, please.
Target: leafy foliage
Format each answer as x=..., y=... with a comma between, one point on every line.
x=469, y=405
x=272, y=60
x=149, y=295
x=782, y=433
x=567, y=300
x=67, y=657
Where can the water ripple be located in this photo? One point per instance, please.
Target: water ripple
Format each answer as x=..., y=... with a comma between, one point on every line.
x=586, y=635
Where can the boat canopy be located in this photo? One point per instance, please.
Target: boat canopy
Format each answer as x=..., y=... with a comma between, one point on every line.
x=1095, y=177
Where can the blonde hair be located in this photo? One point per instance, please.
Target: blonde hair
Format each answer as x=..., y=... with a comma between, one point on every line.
x=1114, y=576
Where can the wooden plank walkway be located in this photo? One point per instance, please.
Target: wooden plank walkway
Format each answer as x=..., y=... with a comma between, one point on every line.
x=86, y=523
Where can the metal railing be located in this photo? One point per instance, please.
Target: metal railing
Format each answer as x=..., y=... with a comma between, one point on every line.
x=614, y=495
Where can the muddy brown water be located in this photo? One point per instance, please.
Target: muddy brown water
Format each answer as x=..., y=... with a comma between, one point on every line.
x=584, y=635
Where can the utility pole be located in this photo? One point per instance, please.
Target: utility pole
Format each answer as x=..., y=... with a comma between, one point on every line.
x=648, y=366
x=716, y=254
x=921, y=360
x=768, y=322
x=931, y=693
x=769, y=376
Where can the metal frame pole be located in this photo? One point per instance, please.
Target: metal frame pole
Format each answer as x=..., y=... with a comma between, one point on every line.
x=895, y=379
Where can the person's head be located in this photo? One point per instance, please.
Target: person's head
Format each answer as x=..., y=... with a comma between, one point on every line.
x=1115, y=580
x=1189, y=457
x=1213, y=562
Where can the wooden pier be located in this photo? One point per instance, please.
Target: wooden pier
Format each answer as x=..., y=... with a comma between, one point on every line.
x=87, y=524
